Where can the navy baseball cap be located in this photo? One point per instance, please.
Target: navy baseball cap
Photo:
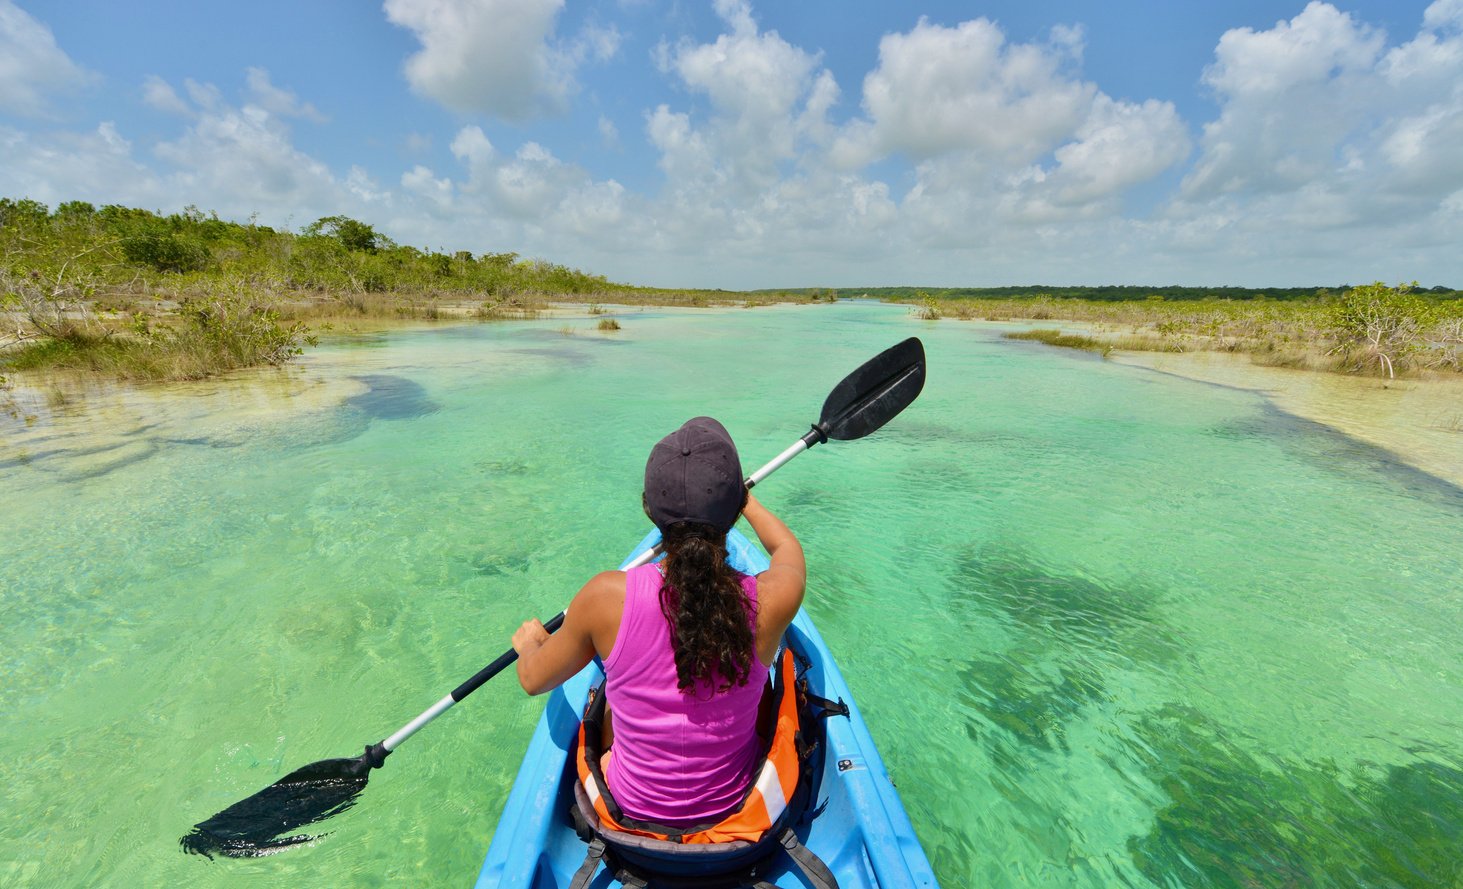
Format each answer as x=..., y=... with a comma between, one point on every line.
x=694, y=475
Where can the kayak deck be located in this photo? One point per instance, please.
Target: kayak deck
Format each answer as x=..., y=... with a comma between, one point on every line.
x=861, y=831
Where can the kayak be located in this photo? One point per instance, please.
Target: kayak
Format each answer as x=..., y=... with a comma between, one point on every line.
x=856, y=823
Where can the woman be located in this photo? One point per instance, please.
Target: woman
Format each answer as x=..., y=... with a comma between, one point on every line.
x=686, y=643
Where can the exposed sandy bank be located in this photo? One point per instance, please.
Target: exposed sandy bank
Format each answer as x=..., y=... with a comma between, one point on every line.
x=1418, y=420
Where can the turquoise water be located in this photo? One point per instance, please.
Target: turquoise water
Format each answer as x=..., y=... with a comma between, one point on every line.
x=1109, y=627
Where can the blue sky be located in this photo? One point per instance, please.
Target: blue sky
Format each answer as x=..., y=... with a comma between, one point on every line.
x=812, y=143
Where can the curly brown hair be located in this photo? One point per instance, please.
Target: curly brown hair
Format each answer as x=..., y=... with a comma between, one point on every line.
x=709, y=613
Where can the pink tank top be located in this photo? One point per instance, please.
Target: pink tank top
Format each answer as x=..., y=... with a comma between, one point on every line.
x=678, y=759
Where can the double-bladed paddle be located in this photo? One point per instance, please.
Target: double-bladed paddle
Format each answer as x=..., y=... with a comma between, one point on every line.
x=261, y=824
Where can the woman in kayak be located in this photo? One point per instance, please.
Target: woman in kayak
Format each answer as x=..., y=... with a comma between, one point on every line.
x=686, y=643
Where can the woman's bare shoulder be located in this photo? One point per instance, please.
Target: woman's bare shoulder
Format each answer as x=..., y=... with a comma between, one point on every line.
x=606, y=586
x=779, y=595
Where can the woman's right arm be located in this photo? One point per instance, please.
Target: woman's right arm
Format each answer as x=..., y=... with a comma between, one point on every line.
x=779, y=588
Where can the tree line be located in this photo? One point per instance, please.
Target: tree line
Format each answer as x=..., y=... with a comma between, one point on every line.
x=1105, y=293
x=117, y=245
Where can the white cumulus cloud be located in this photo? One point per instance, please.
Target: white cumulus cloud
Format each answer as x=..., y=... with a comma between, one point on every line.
x=761, y=89
x=472, y=147
x=496, y=57
x=159, y=94
x=278, y=101
x=962, y=157
x=1444, y=14
x=939, y=89
x=1331, y=148
x=1317, y=106
x=1288, y=95
x=95, y=165
x=244, y=157
x=1004, y=135
x=1119, y=145
x=32, y=67
x=420, y=181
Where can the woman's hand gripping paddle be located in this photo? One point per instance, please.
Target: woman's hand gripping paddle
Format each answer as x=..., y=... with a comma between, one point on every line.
x=261, y=824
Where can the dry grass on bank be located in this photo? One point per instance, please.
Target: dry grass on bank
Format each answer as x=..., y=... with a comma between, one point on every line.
x=62, y=326
x=206, y=328
x=351, y=307
x=1374, y=329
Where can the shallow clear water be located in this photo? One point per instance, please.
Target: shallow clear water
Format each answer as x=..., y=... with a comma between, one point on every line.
x=1109, y=627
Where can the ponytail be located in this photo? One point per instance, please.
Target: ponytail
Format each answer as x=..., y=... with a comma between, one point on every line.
x=709, y=614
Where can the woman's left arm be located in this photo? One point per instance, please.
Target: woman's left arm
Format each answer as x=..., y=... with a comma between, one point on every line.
x=547, y=661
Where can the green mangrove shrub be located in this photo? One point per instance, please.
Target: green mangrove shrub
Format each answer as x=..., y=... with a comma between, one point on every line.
x=1383, y=326
x=229, y=327
x=1064, y=340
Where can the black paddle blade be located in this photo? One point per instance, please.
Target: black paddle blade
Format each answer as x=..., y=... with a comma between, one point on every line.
x=260, y=824
x=875, y=393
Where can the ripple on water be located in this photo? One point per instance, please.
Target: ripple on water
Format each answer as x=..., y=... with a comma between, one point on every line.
x=1088, y=655
x=1233, y=819
x=505, y=467
x=95, y=458
x=1075, y=613
x=1097, y=644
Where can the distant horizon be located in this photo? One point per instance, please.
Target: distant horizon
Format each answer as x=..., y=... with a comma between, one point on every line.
x=1421, y=286
x=1043, y=286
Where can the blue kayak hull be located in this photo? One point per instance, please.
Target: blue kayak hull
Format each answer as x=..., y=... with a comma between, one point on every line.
x=862, y=831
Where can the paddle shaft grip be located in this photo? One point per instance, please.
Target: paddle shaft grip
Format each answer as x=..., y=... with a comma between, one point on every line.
x=461, y=691
x=497, y=666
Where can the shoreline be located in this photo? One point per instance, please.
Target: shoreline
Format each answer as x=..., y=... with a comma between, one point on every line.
x=1418, y=420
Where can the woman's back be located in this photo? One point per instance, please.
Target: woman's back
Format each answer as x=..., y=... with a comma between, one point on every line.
x=679, y=758
x=681, y=753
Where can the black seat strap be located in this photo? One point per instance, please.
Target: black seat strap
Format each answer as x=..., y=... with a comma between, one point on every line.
x=826, y=708
x=818, y=874
x=590, y=865
x=631, y=880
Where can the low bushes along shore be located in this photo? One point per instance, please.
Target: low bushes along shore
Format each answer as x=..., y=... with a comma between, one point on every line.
x=1373, y=329
x=123, y=293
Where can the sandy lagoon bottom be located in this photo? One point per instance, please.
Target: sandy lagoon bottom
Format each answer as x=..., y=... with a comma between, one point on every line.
x=1146, y=632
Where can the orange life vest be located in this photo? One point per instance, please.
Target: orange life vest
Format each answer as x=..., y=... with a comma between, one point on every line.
x=739, y=847
x=765, y=801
